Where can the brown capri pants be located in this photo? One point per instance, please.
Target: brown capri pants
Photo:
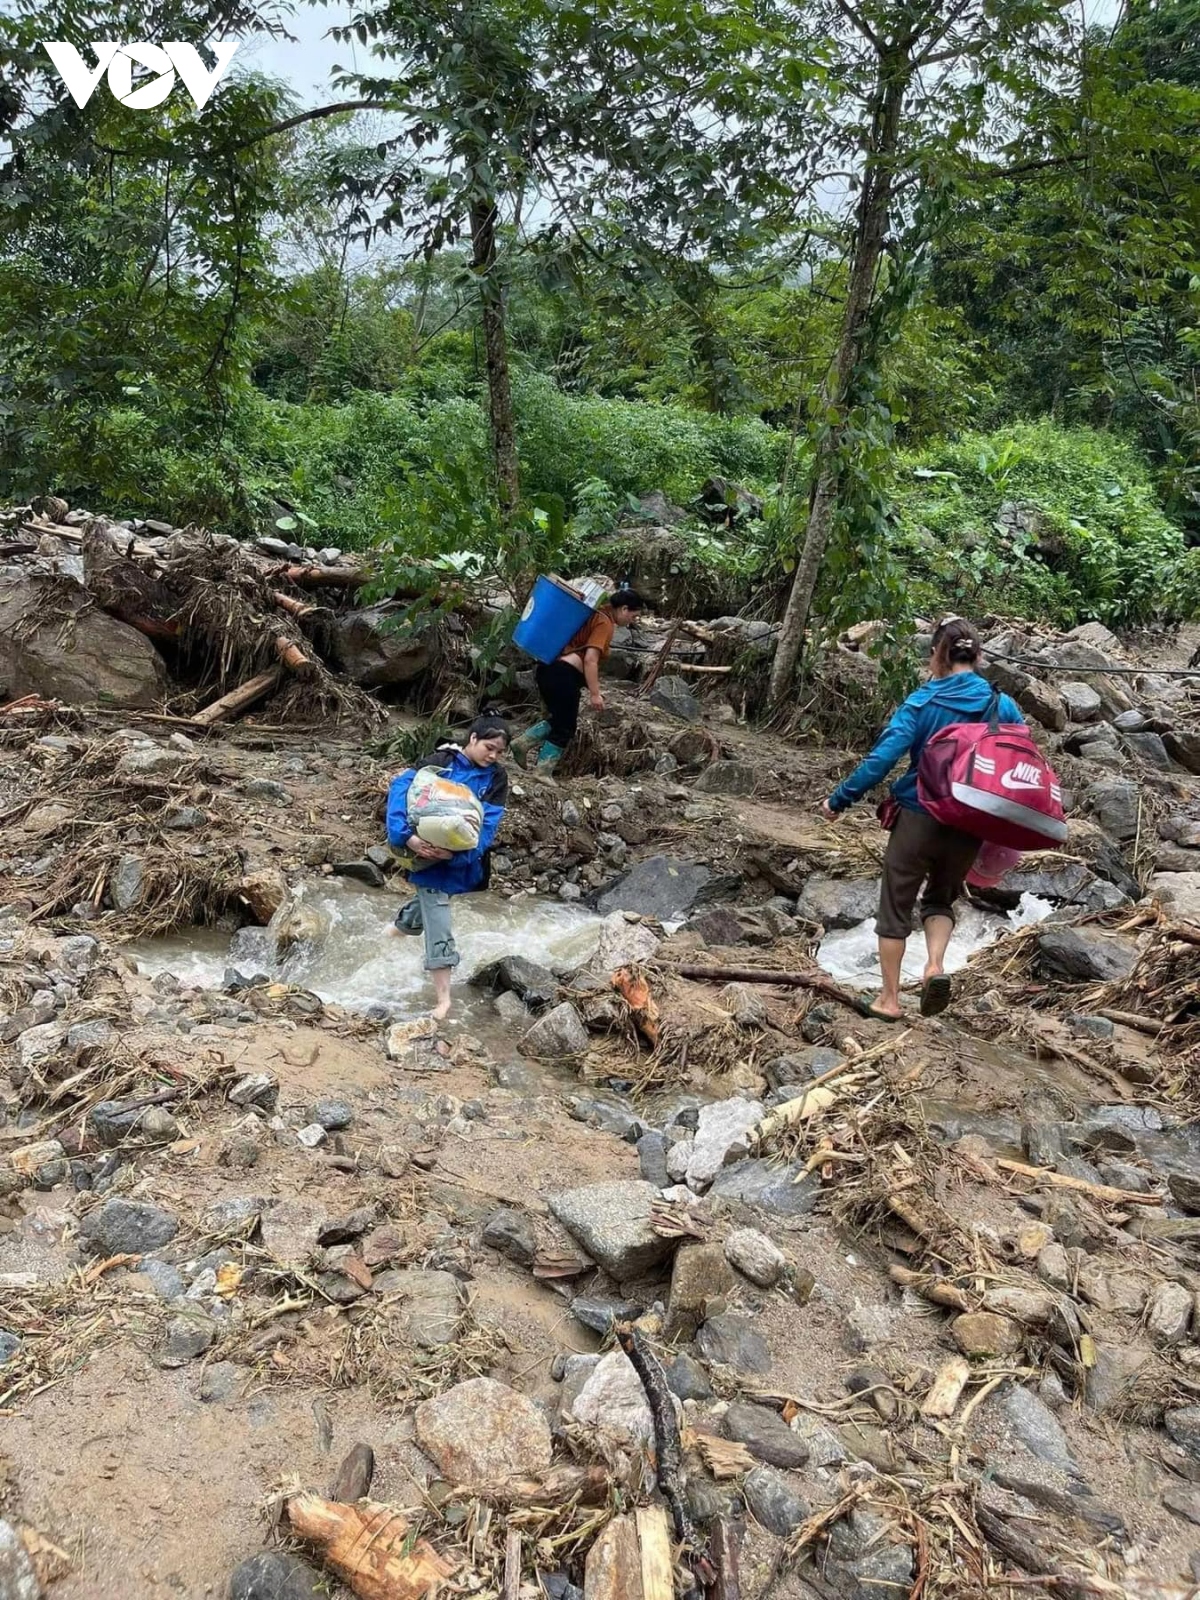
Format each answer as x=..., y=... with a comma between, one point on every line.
x=921, y=851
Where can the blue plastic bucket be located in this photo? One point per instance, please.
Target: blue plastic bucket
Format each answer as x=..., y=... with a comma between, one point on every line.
x=550, y=621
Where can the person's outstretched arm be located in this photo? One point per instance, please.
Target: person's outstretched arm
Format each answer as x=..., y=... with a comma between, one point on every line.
x=591, y=676
x=894, y=742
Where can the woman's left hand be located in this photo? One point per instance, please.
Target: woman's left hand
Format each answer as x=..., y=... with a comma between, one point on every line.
x=829, y=813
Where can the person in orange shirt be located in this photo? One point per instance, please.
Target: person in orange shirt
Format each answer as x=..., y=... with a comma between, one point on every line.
x=561, y=683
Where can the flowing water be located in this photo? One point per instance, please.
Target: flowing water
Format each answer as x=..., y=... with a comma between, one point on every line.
x=353, y=961
x=851, y=955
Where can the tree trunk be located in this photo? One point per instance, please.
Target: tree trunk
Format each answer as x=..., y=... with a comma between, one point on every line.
x=870, y=228
x=495, y=340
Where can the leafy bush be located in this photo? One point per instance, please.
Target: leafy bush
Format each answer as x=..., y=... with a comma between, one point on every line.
x=1082, y=535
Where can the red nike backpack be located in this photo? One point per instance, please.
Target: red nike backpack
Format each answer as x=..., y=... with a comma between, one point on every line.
x=991, y=780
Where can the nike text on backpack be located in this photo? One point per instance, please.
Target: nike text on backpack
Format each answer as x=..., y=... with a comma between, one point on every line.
x=991, y=780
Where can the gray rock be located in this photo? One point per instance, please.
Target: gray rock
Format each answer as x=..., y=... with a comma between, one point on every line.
x=728, y=777
x=241, y=1213
x=612, y=1223
x=127, y=883
x=559, y=1035
x=1181, y=890
x=672, y=695
x=870, y=1326
x=534, y=984
x=610, y=1114
x=1130, y=721
x=9, y=1345
x=94, y=660
x=512, y=1234
x=717, y=926
x=265, y=789
x=1058, y=1491
x=1169, y=1312
x=687, y=1379
x=838, y=902
x=276, y=1576
x=113, y=1120
x=864, y=1563
x=613, y=1401
x=787, y=1191
x=219, y=1381
x=1150, y=748
x=83, y=1036
x=166, y=1280
x=428, y=1305
x=1082, y=702
x=127, y=1227
x=18, y=1580
x=187, y=1336
x=1083, y=954
x=481, y=1431
x=1091, y=1027
x=721, y=1138
x=361, y=872
x=185, y=819
x=1183, y=746
x=599, y=1314
x=255, y=1089
x=661, y=886
x=1117, y=1366
x=375, y=652
x=756, y=1257
x=652, y=1158
x=510, y=1008
x=332, y=1115
x=78, y=955
x=766, y=1435
x=773, y=1501
x=1185, y=1503
x=1115, y=804
x=1020, y=1413
x=1184, y=1427
x=730, y=1340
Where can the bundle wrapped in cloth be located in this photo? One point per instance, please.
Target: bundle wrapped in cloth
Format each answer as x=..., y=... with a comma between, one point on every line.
x=444, y=813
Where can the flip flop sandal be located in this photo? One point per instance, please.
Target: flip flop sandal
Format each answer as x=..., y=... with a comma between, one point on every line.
x=935, y=995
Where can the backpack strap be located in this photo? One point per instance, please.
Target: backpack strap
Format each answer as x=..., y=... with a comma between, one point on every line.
x=992, y=714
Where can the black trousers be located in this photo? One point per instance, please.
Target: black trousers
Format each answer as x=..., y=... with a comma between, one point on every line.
x=560, y=686
x=921, y=850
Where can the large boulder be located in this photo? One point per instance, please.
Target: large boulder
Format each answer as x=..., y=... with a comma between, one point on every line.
x=56, y=643
x=376, y=647
x=1181, y=892
x=838, y=902
x=612, y=1221
x=661, y=887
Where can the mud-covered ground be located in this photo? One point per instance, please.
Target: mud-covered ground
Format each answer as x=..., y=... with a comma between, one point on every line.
x=243, y=1228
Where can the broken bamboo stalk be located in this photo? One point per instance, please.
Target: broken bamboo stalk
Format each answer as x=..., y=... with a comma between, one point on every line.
x=700, y=667
x=1097, y=1191
x=590, y=1485
x=666, y=1441
x=946, y=1390
x=817, y=981
x=291, y=654
x=325, y=577
x=369, y=1546
x=793, y=1112
x=240, y=699
x=654, y=1542
x=295, y=608
x=939, y=1291
x=512, y=1565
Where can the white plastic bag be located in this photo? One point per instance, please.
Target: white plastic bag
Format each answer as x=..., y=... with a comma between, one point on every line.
x=442, y=812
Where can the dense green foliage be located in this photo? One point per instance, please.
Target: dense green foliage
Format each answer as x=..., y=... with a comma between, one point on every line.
x=250, y=321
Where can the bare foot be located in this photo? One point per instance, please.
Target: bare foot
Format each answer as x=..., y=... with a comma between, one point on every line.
x=886, y=1008
x=441, y=1011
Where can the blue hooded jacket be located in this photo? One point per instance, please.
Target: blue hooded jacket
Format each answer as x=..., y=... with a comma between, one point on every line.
x=962, y=697
x=466, y=869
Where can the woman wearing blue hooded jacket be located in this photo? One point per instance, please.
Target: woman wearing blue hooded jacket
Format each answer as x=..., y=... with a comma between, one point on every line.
x=478, y=766
x=921, y=850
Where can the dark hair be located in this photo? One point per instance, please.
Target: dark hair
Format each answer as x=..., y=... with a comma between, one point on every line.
x=490, y=726
x=957, y=637
x=629, y=598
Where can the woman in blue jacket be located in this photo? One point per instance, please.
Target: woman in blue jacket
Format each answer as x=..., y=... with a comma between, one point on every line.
x=478, y=765
x=922, y=850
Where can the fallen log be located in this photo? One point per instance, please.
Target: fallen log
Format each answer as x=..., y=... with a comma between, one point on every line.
x=1096, y=1191
x=291, y=655
x=240, y=699
x=295, y=608
x=667, y=1445
x=817, y=981
x=370, y=1547
x=325, y=577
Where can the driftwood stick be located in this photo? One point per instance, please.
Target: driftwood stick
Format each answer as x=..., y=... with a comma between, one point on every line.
x=512, y=1565
x=1132, y=1019
x=700, y=668
x=1097, y=1191
x=818, y=981
x=936, y=1290
x=666, y=1440
x=240, y=699
x=655, y=672
x=723, y=1549
x=591, y=1485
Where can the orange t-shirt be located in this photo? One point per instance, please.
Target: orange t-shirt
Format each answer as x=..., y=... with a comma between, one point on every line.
x=596, y=634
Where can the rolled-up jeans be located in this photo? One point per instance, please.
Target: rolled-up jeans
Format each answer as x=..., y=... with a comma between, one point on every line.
x=440, y=948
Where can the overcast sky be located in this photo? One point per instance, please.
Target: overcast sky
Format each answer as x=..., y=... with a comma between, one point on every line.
x=308, y=63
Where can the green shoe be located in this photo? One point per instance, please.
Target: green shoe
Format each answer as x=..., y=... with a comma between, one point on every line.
x=525, y=743
x=550, y=755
